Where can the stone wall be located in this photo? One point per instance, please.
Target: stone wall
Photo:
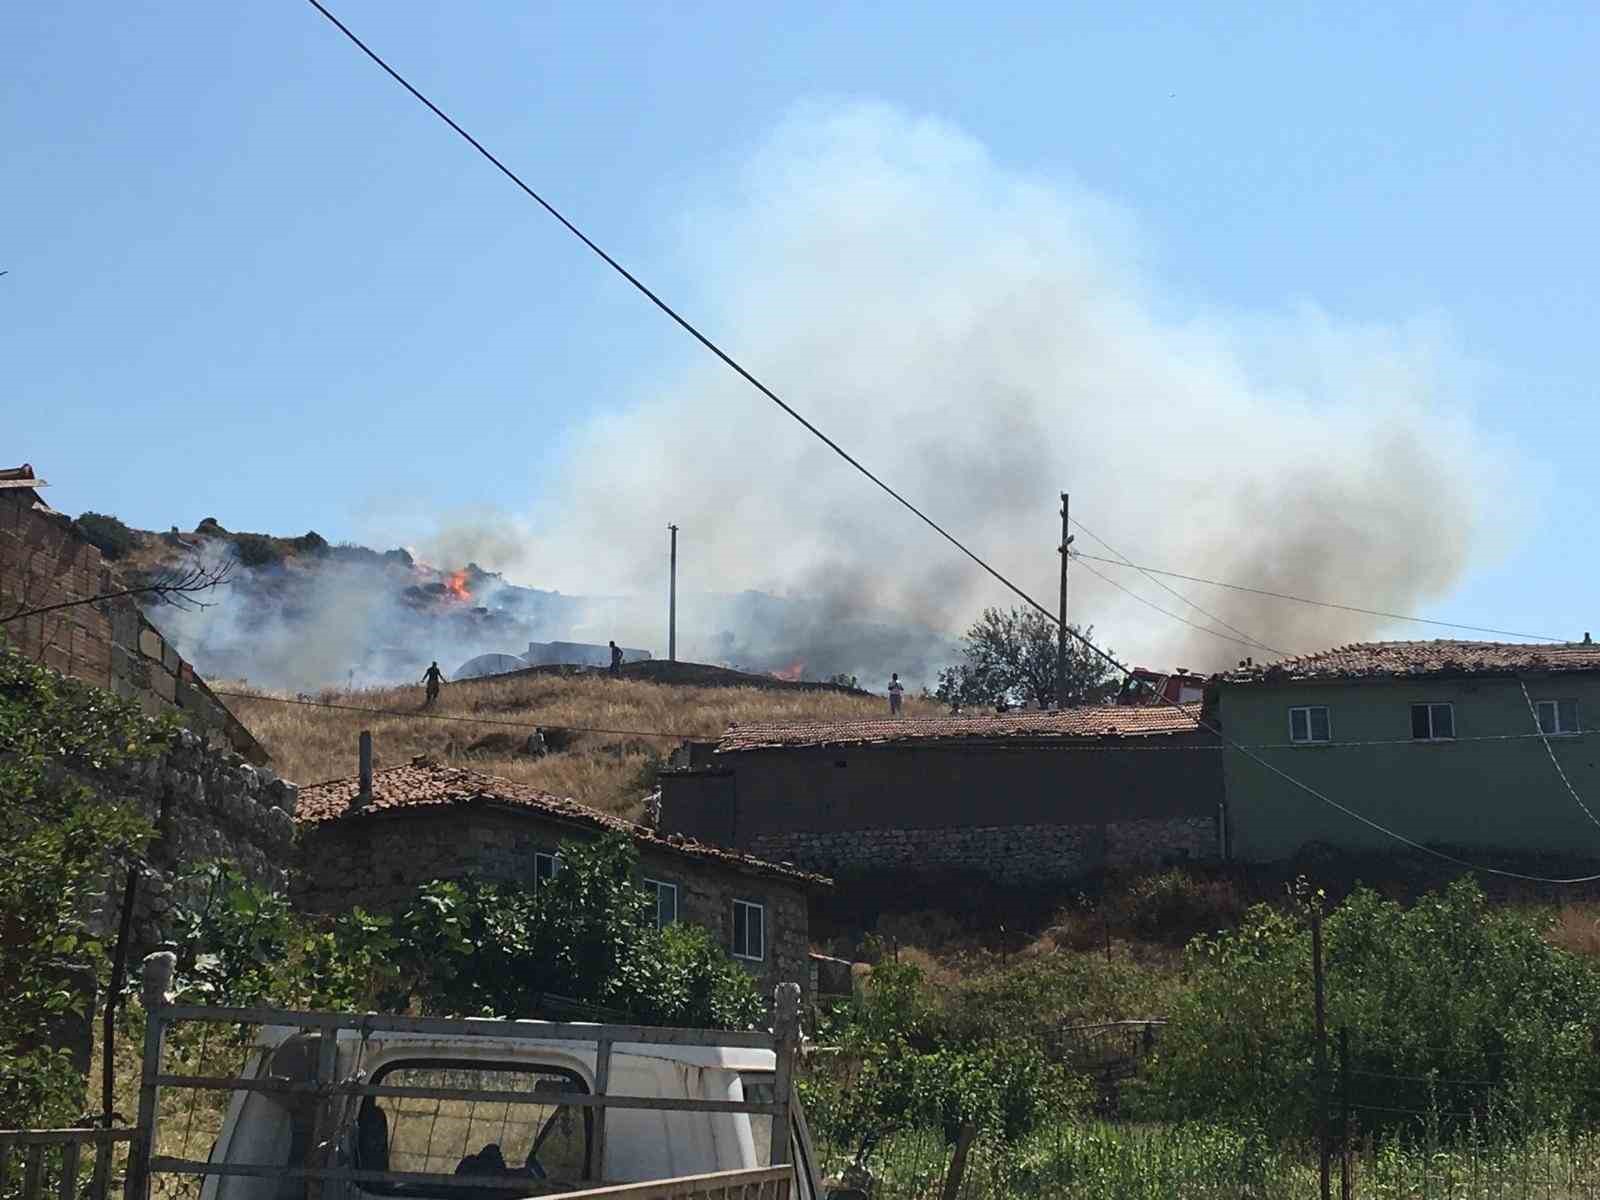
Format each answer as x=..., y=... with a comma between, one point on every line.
x=377, y=861
x=109, y=643
x=207, y=804
x=1006, y=854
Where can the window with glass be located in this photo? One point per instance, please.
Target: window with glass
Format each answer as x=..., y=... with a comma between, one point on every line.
x=1433, y=722
x=1309, y=723
x=534, y=1138
x=666, y=897
x=1558, y=716
x=749, y=930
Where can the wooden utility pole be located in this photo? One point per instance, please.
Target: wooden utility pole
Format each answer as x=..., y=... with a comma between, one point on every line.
x=1320, y=1013
x=1061, y=634
x=672, y=601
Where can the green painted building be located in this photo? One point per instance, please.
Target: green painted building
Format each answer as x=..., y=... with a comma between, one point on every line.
x=1434, y=740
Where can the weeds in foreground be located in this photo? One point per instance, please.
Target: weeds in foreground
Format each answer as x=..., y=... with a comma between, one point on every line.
x=1097, y=1160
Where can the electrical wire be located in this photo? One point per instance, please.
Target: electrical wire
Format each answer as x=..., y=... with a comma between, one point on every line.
x=1210, y=616
x=1554, y=762
x=1252, y=644
x=1370, y=612
x=754, y=382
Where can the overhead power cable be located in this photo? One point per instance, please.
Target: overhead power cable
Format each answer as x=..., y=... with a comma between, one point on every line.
x=1554, y=761
x=744, y=374
x=1250, y=644
x=1249, y=640
x=1255, y=591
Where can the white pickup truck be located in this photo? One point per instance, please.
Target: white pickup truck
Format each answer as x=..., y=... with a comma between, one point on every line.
x=543, y=1143
x=347, y=1106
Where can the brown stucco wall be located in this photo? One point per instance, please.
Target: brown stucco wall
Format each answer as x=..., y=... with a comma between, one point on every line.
x=108, y=643
x=378, y=862
x=1018, y=813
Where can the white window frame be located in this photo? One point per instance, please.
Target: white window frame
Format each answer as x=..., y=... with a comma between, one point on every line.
x=551, y=856
x=1310, y=739
x=761, y=913
x=1555, y=708
x=1430, y=705
x=658, y=886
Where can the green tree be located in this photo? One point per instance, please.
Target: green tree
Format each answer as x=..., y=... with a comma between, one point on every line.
x=466, y=949
x=59, y=841
x=1447, y=989
x=1009, y=656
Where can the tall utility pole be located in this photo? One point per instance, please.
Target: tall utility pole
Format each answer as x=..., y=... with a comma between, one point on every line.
x=672, y=601
x=1061, y=634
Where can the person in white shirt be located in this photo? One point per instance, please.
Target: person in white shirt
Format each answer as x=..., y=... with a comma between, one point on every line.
x=896, y=690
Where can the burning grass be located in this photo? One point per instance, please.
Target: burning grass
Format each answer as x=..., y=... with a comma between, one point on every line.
x=492, y=718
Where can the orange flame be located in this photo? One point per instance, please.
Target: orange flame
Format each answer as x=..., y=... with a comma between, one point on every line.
x=792, y=672
x=457, y=583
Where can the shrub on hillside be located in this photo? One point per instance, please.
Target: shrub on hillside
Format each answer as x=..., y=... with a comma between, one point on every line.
x=310, y=543
x=1449, y=988
x=255, y=550
x=899, y=1066
x=106, y=534
x=1175, y=906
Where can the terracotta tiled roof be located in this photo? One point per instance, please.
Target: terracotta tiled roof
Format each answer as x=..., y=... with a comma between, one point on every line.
x=23, y=480
x=425, y=784
x=1070, y=723
x=1387, y=659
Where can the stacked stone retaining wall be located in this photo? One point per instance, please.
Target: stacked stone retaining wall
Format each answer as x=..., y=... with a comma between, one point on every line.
x=207, y=804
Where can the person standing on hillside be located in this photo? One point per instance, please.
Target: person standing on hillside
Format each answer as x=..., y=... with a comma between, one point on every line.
x=896, y=691
x=616, y=661
x=431, y=677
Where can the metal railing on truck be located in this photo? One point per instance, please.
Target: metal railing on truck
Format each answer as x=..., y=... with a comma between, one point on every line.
x=316, y=1167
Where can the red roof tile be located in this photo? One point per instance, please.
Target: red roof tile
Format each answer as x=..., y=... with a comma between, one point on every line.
x=425, y=784
x=1389, y=659
x=1067, y=724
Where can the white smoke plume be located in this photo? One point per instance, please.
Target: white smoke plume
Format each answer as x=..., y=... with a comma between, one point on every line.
x=984, y=340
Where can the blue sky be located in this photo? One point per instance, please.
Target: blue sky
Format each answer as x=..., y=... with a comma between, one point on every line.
x=250, y=278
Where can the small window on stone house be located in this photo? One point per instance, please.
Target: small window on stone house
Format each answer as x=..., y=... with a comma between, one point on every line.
x=666, y=898
x=545, y=866
x=749, y=930
x=1558, y=716
x=1433, y=722
x=1309, y=724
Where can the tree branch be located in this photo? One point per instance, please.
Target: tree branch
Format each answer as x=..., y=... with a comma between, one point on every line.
x=180, y=586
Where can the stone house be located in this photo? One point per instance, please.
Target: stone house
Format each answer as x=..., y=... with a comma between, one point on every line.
x=427, y=821
x=1449, y=743
x=1030, y=798
x=44, y=562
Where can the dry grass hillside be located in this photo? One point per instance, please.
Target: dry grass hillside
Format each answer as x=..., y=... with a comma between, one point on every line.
x=611, y=771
